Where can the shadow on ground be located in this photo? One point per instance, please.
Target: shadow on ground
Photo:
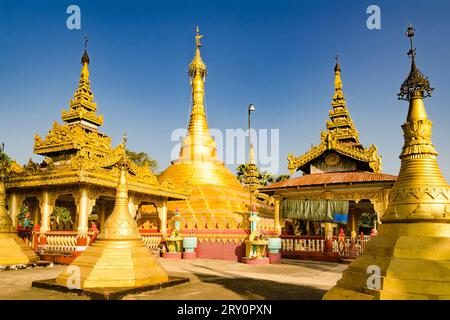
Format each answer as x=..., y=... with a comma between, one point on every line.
x=249, y=288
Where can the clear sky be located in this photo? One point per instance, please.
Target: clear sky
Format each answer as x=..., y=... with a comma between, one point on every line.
x=278, y=55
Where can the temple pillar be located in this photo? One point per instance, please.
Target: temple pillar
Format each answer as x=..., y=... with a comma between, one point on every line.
x=162, y=214
x=276, y=217
x=35, y=213
x=133, y=206
x=84, y=206
x=14, y=204
x=101, y=215
x=380, y=205
x=47, y=204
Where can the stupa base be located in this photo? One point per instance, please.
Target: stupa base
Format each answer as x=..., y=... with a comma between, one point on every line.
x=259, y=261
x=189, y=255
x=14, y=251
x=172, y=255
x=405, y=261
x=107, y=293
x=274, y=258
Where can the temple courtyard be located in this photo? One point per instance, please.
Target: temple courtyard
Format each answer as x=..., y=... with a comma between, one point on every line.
x=209, y=279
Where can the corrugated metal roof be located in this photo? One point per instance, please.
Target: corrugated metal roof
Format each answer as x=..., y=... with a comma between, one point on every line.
x=332, y=178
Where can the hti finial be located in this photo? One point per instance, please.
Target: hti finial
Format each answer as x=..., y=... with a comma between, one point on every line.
x=198, y=36
x=410, y=34
x=337, y=66
x=416, y=82
x=85, y=57
x=124, y=139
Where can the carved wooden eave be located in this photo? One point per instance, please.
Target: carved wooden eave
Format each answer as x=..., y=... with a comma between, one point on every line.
x=329, y=142
x=71, y=137
x=93, y=178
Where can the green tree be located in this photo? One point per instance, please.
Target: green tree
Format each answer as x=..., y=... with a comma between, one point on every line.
x=142, y=159
x=264, y=177
x=282, y=177
x=4, y=158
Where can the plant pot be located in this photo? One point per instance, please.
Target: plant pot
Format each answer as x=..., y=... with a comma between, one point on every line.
x=189, y=244
x=274, y=245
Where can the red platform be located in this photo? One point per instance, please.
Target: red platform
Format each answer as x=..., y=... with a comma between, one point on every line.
x=259, y=261
x=274, y=258
x=189, y=255
x=171, y=255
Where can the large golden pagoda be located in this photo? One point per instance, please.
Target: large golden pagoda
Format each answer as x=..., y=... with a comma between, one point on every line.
x=218, y=202
x=119, y=258
x=412, y=249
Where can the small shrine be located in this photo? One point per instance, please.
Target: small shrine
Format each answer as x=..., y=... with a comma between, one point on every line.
x=256, y=244
x=174, y=242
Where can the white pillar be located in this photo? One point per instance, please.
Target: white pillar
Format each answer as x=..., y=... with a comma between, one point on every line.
x=277, y=215
x=14, y=208
x=47, y=204
x=162, y=213
x=84, y=207
x=133, y=207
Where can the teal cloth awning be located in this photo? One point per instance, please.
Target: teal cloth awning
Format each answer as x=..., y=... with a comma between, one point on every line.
x=313, y=210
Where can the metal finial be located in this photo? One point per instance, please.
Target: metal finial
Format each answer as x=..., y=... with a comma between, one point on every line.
x=410, y=32
x=85, y=42
x=124, y=139
x=198, y=36
x=416, y=82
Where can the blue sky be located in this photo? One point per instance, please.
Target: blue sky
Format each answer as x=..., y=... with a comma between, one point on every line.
x=278, y=55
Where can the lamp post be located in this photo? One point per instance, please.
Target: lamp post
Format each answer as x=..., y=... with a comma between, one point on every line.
x=251, y=108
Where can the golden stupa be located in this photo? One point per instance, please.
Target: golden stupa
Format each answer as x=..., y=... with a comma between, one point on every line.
x=119, y=258
x=410, y=257
x=218, y=200
x=13, y=250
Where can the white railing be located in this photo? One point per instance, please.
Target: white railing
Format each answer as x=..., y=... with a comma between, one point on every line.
x=152, y=241
x=61, y=243
x=352, y=248
x=310, y=245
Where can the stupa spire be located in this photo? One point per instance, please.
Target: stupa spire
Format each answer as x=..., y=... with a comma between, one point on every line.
x=120, y=217
x=341, y=125
x=82, y=108
x=198, y=143
x=419, y=169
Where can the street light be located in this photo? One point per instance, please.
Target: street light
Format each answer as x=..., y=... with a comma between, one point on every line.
x=251, y=108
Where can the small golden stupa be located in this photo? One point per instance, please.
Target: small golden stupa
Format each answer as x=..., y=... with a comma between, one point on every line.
x=13, y=250
x=409, y=259
x=218, y=201
x=119, y=257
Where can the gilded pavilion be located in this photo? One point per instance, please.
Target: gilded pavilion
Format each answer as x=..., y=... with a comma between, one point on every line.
x=77, y=173
x=341, y=178
x=217, y=211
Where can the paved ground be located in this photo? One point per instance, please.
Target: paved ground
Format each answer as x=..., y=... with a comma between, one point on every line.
x=210, y=279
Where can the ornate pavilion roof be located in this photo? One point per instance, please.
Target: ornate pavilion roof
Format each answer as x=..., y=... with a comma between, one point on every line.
x=332, y=178
x=340, y=135
x=75, y=152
